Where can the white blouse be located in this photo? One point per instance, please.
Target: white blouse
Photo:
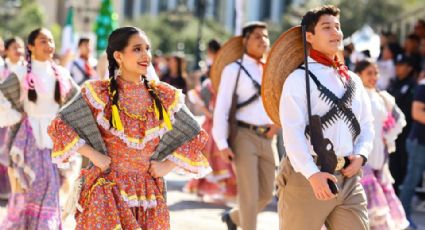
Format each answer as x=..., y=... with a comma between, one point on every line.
x=376, y=156
x=14, y=66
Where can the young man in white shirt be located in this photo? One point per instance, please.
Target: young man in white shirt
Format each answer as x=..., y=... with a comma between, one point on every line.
x=251, y=149
x=338, y=97
x=83, y=68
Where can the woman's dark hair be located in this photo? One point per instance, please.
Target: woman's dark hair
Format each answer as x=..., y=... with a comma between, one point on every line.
x=362, y=65
x=117, y=41
x=312, y=17
x=32, y=94
x=10, y=42
x=394, y=48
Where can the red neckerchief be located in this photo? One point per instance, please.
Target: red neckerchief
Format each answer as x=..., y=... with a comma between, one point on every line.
x=87, y=68
x=336, y=64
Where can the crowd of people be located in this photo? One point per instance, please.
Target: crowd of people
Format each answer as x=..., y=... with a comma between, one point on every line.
x=81, y=136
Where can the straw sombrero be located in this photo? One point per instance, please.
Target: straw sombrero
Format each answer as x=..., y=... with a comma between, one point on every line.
x=231, y=51
x=286, y=54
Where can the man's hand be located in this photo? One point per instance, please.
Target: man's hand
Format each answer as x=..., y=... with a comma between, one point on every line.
x=161, y=168
x=319, y=183
x=227, y=155
x=356, y=162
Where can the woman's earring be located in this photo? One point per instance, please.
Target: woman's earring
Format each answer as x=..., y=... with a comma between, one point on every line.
x=119, y=71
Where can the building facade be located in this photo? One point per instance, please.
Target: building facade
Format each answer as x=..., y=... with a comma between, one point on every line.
x=223, y=11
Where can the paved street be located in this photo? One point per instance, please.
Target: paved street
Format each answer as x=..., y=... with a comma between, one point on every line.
x=188, y=213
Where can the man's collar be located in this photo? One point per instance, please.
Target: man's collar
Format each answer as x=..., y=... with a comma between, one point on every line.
x=249, y=59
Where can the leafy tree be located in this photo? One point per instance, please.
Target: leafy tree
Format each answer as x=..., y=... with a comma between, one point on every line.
x=20, y=19
x=177, y=31
x=354, y=13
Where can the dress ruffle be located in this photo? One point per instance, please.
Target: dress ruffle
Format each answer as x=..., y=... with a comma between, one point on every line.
x=91, y=92
x=137, y=190
x=66, y=143
x=9, y=116
x=189, y=157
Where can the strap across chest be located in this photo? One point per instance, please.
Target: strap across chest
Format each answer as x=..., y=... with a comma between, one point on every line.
x=256, y=85
x=340, y=107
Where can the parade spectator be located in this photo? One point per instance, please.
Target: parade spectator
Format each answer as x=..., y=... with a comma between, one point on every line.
x=402, y=88
x=386, y=65
x=176, y=72
x=415, y=145
x=419, y=28
x=411, y=49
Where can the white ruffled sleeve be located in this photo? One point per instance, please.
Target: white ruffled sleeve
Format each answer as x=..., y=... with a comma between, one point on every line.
x=8, y=115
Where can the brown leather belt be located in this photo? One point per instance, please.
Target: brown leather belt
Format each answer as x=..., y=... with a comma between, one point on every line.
x=259, y=130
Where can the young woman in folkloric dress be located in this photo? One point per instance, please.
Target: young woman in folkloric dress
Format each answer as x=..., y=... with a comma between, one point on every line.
x=125, y=189
x=46, y=86
x=14, y=49
x=384, y=208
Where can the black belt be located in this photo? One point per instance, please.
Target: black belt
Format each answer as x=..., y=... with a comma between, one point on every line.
x=259, y=130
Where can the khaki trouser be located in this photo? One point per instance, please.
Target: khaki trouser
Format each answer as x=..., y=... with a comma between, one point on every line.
x=299, y=209
x=255, y=167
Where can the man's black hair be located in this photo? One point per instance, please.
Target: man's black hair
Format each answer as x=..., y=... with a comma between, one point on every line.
x=251, y=26
x=82, y=41
x=312, y=17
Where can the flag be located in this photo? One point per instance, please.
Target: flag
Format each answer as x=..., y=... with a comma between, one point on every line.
x=68, y=41
x=239, y=10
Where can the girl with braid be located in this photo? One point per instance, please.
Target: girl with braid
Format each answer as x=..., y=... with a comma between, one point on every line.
x=133, y=112
x=384, y=208
x=14, y=50
x=34, y=203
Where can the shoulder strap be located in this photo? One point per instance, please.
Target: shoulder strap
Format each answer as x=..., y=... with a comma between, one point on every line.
x=256, y=84
x=86, y=76
x=313, y=77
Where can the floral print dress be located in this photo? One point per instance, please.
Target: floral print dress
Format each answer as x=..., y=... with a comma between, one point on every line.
x=127, y=197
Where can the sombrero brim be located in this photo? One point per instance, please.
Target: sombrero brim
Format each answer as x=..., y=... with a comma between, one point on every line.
x=286, y=54
x=231, y=51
